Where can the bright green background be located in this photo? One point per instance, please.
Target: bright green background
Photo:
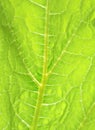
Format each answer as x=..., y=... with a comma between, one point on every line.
x=69, y=97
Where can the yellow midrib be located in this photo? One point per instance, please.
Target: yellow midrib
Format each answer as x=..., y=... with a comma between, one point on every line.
x=44, y=75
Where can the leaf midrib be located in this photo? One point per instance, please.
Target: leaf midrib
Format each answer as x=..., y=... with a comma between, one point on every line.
x=44, y=74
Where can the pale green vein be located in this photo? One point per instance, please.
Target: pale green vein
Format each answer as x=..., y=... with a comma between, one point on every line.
x=33, y=78
x=35, y=3
x=44, y=75
x=64, y=50
x=68, y=44
x=86, y=117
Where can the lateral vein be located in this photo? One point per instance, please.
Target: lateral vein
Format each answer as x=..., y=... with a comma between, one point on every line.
x=33, y=2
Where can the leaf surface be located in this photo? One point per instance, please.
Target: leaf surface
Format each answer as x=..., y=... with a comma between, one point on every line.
x=47, y=68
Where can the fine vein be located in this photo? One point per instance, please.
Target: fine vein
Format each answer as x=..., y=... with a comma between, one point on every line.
x=44, y=75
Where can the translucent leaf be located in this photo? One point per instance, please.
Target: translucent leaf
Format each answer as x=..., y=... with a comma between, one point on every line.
x=47, y=65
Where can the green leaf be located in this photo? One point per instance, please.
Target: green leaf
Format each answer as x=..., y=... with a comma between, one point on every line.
x=47, y=68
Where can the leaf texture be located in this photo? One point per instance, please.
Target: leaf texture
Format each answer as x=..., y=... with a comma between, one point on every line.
x=47, y=68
